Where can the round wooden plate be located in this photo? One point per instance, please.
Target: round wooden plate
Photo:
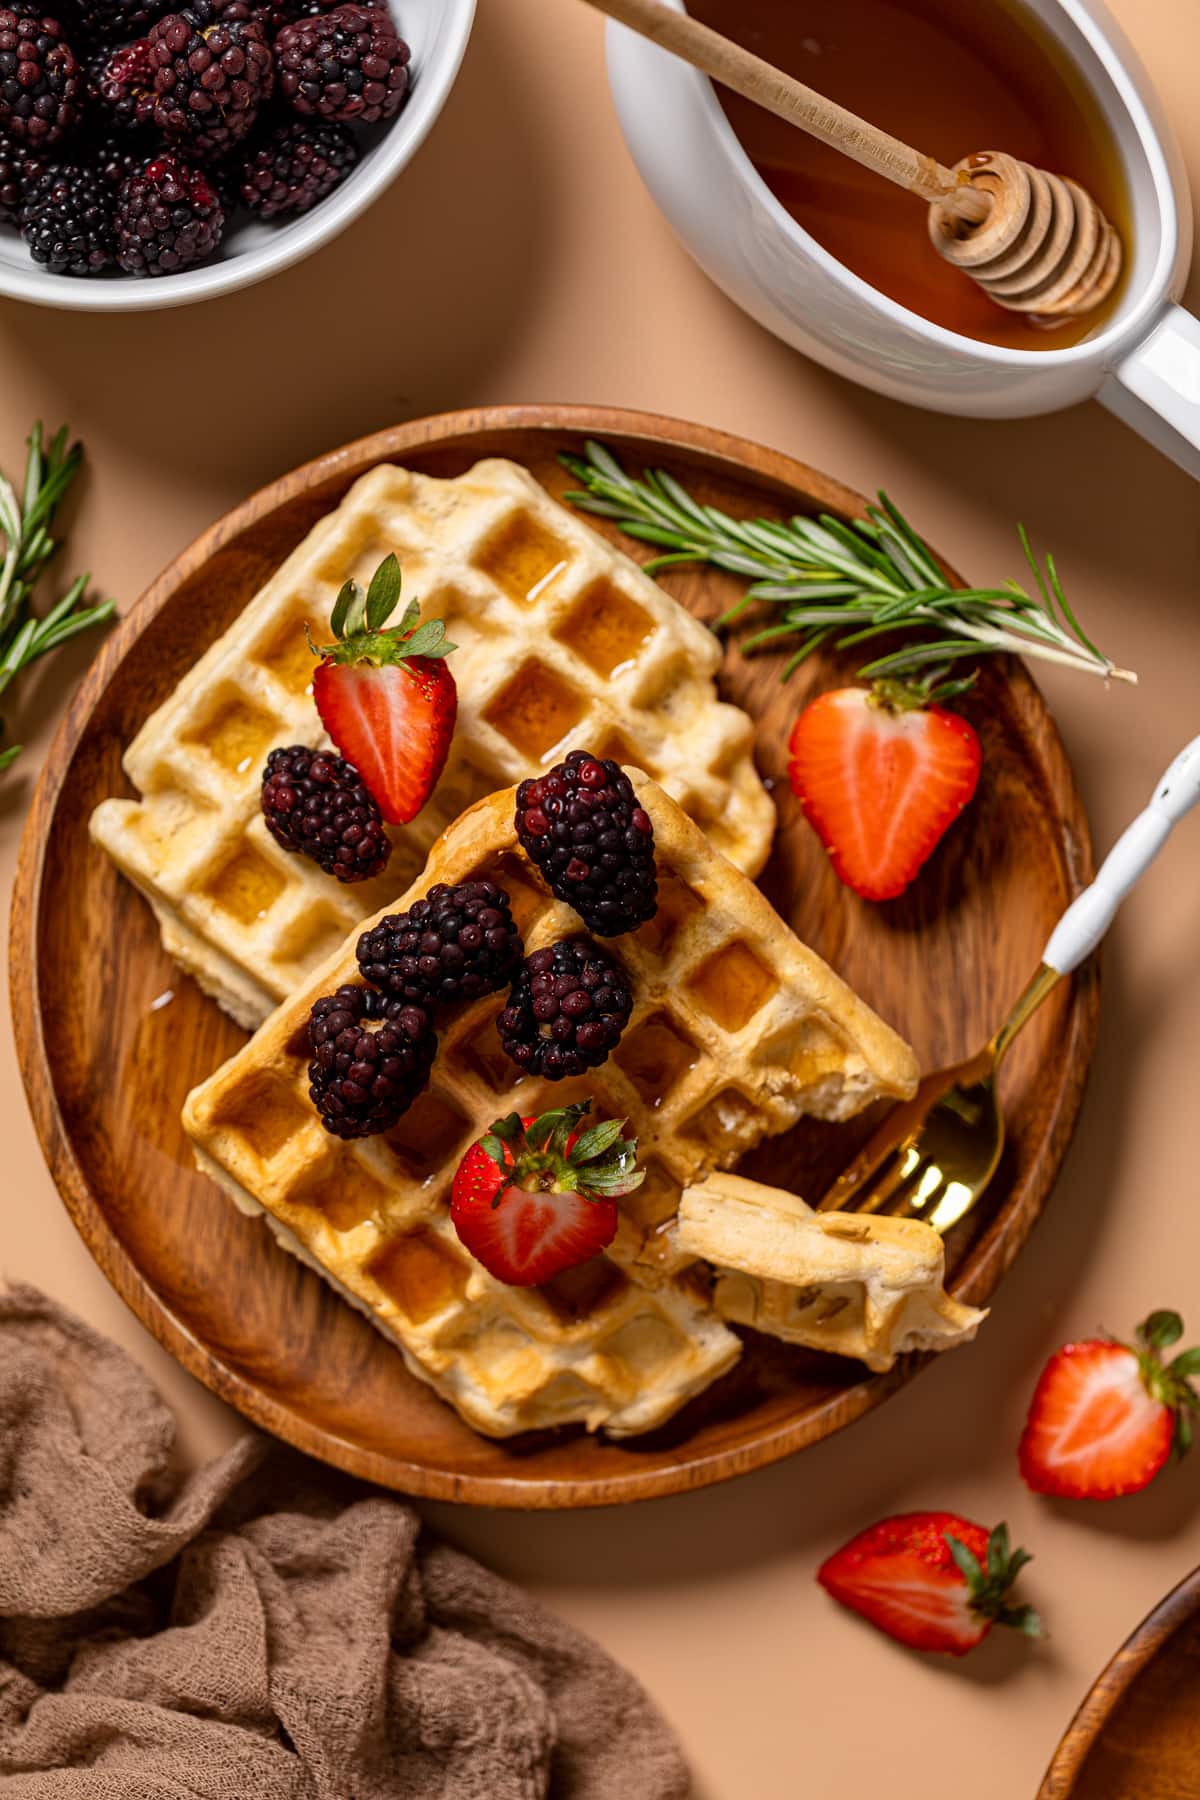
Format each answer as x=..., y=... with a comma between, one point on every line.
x=107, y=1072
x=1138, y=1732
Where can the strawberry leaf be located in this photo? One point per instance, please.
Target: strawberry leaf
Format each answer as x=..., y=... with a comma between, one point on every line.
x=1161, y=1330
x=597, y=1140
x=356, y=613
x=429, y=639
x=408, y=618
x=1185, y=1364
x=967, y=1562
x=383, y=593
x=341, y=608
x=989, y=1591
x=492, y=1146
x=613, y=1183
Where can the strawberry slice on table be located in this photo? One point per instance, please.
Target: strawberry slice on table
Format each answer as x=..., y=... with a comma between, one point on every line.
x=931, y=1580
x=536, y=1196
x=1106, y=1416
x=881, y=773
x=385, y=695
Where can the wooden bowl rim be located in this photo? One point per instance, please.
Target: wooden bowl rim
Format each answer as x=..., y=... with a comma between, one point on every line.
x=1114, y=1683
x=989, y=1259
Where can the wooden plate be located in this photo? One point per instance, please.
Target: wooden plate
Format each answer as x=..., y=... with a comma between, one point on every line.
x=106, y=1071
x=1137, y=1735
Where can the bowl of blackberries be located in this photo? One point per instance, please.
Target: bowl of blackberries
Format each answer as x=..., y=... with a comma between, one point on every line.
x=154, y=152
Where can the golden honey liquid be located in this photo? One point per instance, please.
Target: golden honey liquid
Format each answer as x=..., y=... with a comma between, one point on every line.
x=950, y=77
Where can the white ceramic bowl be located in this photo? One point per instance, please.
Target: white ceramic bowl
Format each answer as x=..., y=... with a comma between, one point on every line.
x=437, y=32
x=1143, y=363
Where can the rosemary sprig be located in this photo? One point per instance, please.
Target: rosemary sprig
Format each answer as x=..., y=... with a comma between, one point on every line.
x=25, y=525
x=848, y=583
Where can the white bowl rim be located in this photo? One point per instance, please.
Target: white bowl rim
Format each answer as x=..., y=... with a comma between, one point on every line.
x=404, y=138
x=1126, y=326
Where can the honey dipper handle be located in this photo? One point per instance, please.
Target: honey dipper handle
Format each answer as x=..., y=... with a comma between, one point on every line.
x=779, y=93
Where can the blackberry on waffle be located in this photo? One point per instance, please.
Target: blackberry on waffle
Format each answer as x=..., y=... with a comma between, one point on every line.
x=567, y=1010
x=456, y=944
x=370, y=1060
x=317, y=803
x=582, y=825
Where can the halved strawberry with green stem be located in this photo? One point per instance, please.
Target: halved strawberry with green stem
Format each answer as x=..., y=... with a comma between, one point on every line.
x=931, y=1580
x=385, y=695
x=881, y=773
x=536, y=1196
x=1106, y=1416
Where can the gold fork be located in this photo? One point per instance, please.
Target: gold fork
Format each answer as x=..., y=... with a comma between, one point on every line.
x=934, y=1155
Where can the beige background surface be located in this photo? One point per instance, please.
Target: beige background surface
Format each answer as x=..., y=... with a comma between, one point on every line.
x=519, y=259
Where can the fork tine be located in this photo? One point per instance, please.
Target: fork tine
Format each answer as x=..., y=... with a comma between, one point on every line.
x=896, y=1193
x=878, y=1162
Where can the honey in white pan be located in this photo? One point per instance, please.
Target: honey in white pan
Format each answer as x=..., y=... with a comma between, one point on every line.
x=950, y=77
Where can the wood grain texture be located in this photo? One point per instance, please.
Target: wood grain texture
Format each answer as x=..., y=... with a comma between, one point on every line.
x=1137, y=1735
x=106, y=1071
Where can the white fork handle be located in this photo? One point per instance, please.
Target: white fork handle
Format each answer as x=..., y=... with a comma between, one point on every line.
x=1088, y=918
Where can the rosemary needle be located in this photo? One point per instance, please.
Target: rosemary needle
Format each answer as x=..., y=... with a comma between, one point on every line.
x=849, y=583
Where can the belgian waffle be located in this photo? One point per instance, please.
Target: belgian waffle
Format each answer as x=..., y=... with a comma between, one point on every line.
x=859, y=1285
x=737, y=1029
x=561, y=640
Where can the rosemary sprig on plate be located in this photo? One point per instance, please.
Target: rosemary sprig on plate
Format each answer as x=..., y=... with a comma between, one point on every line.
x=25, y=523
x=848, y=583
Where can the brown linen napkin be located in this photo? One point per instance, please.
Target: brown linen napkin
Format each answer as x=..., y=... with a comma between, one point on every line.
x=264, y=1629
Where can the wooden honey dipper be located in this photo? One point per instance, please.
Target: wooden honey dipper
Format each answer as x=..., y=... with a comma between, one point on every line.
x=1035, y=243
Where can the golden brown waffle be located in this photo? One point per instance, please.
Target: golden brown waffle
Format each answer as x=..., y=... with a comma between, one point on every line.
x=737, y=1029
x=858, y=1285
x=562, y=642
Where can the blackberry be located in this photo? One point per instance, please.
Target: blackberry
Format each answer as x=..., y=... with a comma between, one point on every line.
x=370, y=1059
x=67, y=221
x=116, y=21
x=20, y=167
x=168, y=217
x=349, y=64
x=120, y=85
x=567, y=1010
x=318, y=804
x=582, y=825
x=455, y=944
x=298, y=164
x=41, y=84
x=212, y=70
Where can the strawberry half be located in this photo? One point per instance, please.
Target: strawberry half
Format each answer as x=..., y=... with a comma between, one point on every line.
x=536, y=1196
x=385, y=695
x=1106, y=1416
x=881, y=773
x=931, y=1580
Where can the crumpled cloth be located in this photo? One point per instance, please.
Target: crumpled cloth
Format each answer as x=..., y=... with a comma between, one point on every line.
x=264, y=1629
